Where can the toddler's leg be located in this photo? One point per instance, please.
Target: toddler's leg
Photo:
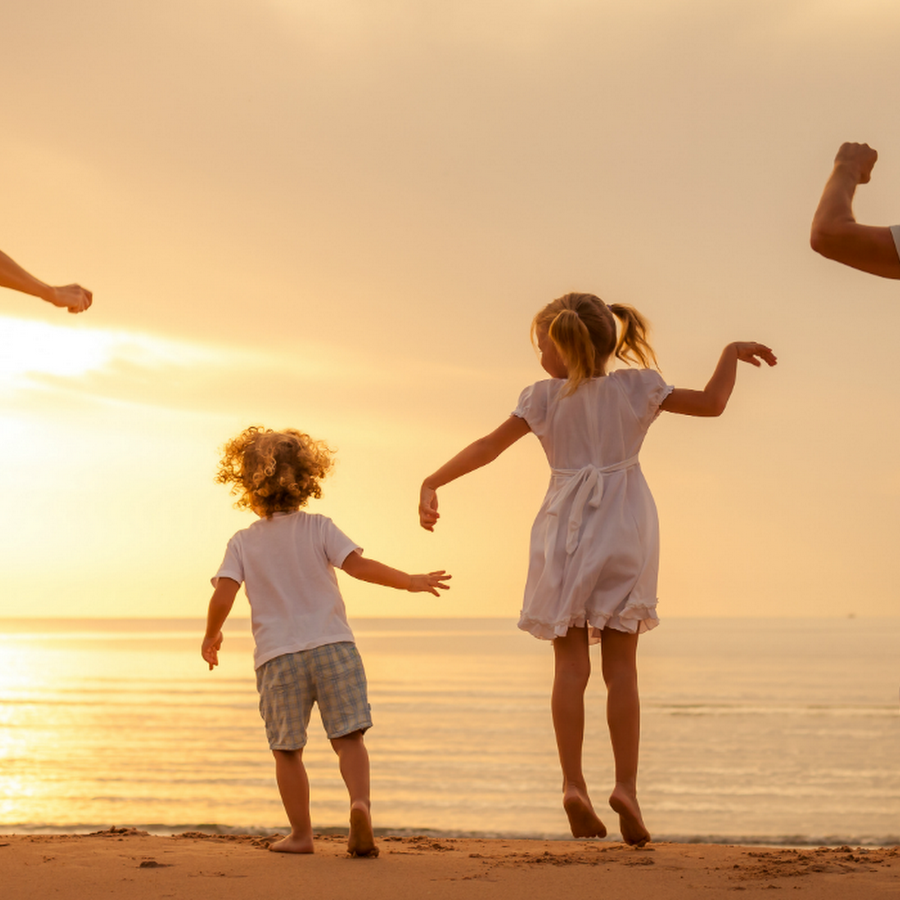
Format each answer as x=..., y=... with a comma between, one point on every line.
x=354, y=763
x=623, y=715
x=572, y=671
x=293, y=785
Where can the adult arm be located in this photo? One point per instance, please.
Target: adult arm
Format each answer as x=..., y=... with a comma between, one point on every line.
x=713, y=399
x=71, y=296
x=219, y=607
x=477, y=454
x=835, y=232
x=374, y=572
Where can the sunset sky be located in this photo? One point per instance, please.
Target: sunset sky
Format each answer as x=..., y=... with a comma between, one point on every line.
x=341, y=215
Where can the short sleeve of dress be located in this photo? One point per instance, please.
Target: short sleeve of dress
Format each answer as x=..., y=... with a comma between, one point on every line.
x=532, y=407
x=232, y=567
x=646, y=390
x=524, y=404
x=336, y=544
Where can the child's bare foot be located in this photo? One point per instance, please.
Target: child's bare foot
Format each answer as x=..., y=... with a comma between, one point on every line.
x=362, y=839
x=583, y=821
x=293, y=844
x=625, y=803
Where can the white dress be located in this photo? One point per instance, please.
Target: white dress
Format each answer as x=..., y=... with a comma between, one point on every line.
x=595, y=542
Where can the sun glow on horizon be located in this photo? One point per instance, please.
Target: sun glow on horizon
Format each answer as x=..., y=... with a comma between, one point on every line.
x=29, y=348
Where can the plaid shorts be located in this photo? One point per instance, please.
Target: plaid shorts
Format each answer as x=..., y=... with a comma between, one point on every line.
x=331, y=675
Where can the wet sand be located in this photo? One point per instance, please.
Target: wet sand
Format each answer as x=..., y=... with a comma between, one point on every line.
x=133, y=864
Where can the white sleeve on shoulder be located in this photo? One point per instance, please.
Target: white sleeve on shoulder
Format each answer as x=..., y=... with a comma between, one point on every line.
x=646, y=390
x=231, y=567
x=895, y=231
x=532, y=408
x=336, y=544
x=524, y=404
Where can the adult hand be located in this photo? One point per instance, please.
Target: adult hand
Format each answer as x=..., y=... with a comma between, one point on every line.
x=428, y=504
x=858, y=158
x=73, y=297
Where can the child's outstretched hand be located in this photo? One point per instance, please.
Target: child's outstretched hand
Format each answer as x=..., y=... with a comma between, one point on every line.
x=428, y=504
x=210, y=650
x=429, y=583
x=752, y=352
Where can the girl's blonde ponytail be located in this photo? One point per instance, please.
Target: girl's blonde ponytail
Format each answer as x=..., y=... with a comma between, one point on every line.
x=583, y=328
x=573, y=340
x=632, y=345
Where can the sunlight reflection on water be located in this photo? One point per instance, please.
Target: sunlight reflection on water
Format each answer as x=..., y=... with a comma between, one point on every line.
x=121, y=723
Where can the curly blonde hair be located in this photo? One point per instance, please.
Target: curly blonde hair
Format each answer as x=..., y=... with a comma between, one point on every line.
x=583, y=328
x=274, y=471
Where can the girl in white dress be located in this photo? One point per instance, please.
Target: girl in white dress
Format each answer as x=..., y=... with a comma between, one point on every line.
x=595, y=542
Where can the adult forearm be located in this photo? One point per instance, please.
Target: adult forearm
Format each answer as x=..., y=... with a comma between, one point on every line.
x=14, y=277
x=72, y=297
x=836, y=234
x=834, y=223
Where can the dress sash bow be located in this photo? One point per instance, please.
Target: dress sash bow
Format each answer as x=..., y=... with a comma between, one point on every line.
x=586, y=484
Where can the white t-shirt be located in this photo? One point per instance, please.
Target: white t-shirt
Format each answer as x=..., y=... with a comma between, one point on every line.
x=286, y=565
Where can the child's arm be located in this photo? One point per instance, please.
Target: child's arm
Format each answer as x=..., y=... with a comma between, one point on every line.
x=476, y=455
x=375, y=572
x=835, y=232
x=713, y=399
x=219, y=606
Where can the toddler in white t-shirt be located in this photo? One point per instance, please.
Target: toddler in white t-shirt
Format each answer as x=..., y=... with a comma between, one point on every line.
x=305, y=651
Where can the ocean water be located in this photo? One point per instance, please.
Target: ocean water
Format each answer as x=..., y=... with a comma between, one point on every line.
x=754, y=730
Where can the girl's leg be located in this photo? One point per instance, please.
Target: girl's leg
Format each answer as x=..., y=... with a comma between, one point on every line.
x=353, y=759
x=623, y=715
x=572, y=671
x=293, y=785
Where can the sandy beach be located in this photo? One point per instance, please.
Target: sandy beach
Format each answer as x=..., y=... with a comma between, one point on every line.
x=133, y=864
